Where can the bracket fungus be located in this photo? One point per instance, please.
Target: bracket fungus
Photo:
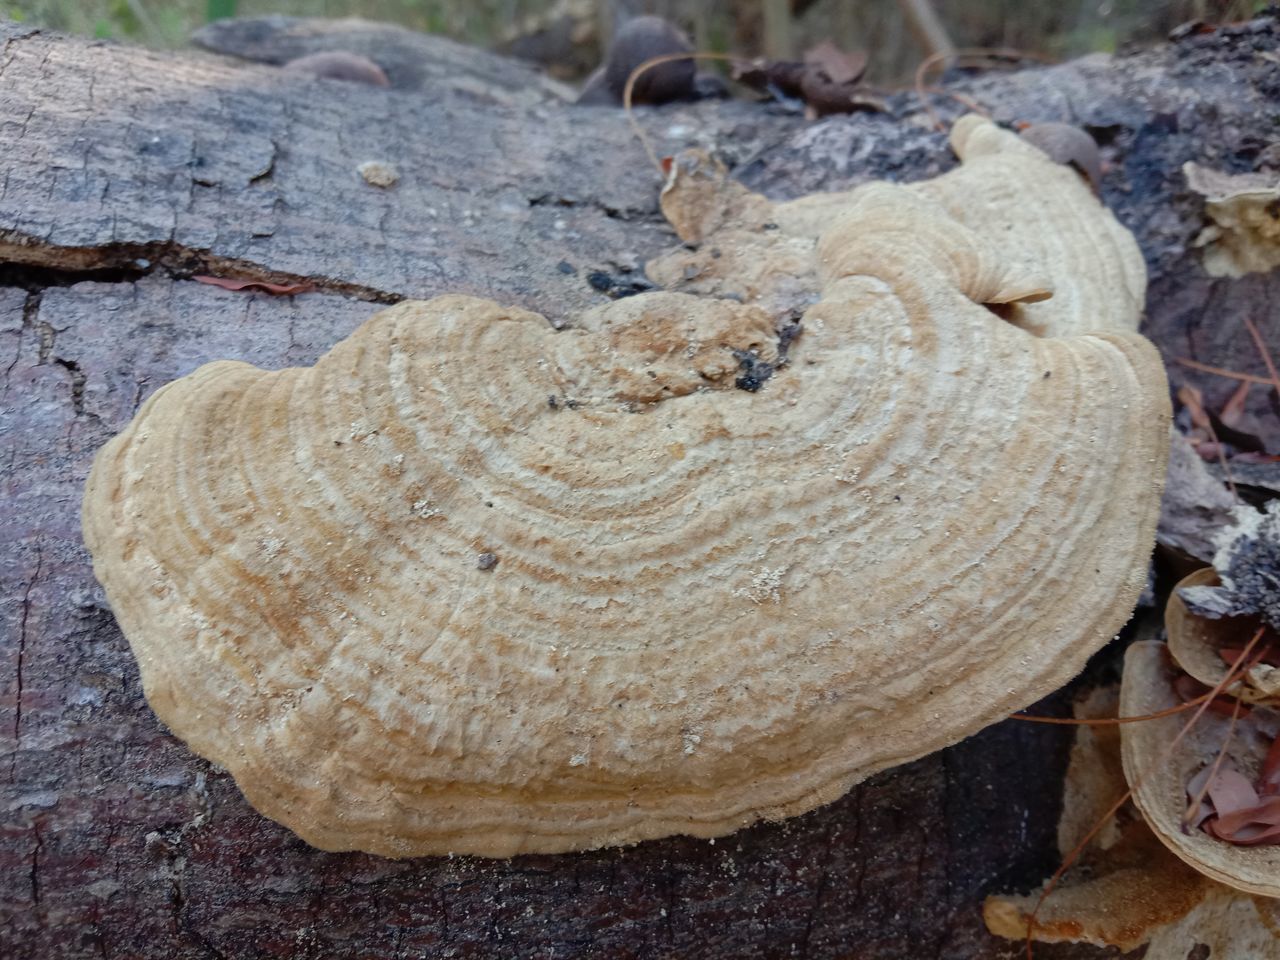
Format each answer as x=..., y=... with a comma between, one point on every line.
x=1161, y=783
x=1058, y=263
x=714, y=605
x=1127, y=889
x=1229, y=765
x=1244, y=235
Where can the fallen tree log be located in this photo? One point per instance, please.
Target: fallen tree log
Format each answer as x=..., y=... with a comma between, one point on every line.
x=126, y=174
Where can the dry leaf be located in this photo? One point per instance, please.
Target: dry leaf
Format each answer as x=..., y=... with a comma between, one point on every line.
x=1067, y=144
x=815, y=81
x=1244, y=236
x=839, y=66
x=1161, y=762
x=1235, y=810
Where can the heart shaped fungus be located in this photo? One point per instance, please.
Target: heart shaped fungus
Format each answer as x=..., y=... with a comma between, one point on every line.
x=702, y=605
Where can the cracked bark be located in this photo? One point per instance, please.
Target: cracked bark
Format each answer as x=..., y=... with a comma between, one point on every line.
x=22, y=652
x=194, y=165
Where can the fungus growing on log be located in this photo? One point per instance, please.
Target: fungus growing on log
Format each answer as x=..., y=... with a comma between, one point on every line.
x=1244, y=235
x=1035, y=219
x=1226, y=770
x=1161, y=782
x=714, y=605
x=1127, y=890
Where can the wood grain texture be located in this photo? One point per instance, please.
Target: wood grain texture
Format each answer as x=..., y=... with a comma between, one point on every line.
x=115, y=841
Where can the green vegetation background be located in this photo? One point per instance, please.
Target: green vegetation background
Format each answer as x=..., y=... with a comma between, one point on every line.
x=1061, y=28
x=168, y=23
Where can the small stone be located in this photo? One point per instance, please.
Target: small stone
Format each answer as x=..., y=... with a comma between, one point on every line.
x=487, y=561
x=378, y=174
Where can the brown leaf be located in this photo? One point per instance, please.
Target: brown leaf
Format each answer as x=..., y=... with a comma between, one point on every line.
x=1254, y=835
x=809, y=82
x=1231, y=655
x=1253, y=825
x=839, y=66
x=1269, y=779
x=1189, y=688
x=275, y=289
x=1232, y=810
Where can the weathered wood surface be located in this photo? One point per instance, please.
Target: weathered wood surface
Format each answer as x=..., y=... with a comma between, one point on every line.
x=124, y=172
x=411, y=60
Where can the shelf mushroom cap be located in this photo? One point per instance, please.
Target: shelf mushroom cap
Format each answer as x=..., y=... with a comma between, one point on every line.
x=710, y=603
x=1035, y=216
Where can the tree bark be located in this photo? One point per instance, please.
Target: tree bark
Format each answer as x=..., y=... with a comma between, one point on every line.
x=126, y=173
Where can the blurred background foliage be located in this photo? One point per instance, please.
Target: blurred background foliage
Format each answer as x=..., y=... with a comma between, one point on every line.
x=565, y=35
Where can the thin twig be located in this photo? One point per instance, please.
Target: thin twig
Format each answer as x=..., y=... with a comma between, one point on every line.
x=1108, y=721
x=1222, y=461
x=1222, y=371
x=985, y=54
x=962, y=98
x=1193, y=400
x=1189, y=814
x=629, y=90
x=1266, y=354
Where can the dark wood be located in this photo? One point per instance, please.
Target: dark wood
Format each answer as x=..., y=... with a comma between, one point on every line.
x=125, y=172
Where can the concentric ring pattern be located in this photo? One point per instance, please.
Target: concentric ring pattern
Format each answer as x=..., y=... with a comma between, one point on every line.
x=710, y=605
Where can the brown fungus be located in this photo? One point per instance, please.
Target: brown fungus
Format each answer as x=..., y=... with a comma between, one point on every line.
x=1128, y=890
x=1069, y=266
x=1223, y=769
x=1160, y=772
x=1243, y=235
x=1197, y=644
x=714, y=605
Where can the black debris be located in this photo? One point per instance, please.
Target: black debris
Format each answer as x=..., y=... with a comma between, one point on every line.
x=754, y=370
x=617, y=286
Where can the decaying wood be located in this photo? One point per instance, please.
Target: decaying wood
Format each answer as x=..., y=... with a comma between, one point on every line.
x=125, y=173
